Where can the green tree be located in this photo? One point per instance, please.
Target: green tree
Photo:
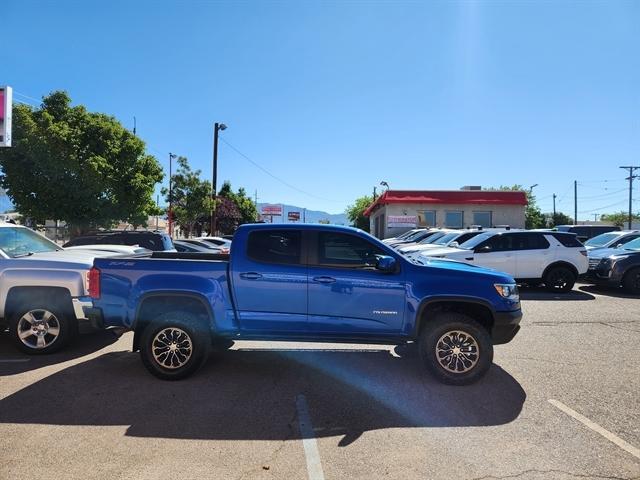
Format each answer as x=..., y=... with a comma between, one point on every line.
x=81, y=167
x=191, y=196
x=355, y=212
x=619, y=219
x=559, y=219
x=246, y=206
x=533, y=216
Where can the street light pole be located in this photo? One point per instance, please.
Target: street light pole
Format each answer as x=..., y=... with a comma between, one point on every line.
x=217, y=127
x=171, y=157
x=630, y=178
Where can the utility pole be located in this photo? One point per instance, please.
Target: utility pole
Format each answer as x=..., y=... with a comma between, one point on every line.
x=304, y=215
x=134, y=126
x=575, y=202
x=630, y=178
x=157, y=205
x=171, y=157
x=595, y=217
x=554, y=207
x=217, y=127
x=375, y=194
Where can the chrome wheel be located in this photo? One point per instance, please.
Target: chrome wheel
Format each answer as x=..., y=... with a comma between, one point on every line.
x=38, y=329
x=172, y=348
x=457, y=351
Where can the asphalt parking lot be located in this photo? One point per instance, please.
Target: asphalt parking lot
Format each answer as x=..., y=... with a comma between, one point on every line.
x=562, y=401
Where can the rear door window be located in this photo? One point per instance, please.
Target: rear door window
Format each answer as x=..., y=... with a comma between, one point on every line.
x=346, y=251
x=275, y=246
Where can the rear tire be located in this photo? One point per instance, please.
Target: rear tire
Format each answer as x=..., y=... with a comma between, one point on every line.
x=559, y=279
x=174, y=345
x=456, y=349
x=631, y=281
x=39, y=329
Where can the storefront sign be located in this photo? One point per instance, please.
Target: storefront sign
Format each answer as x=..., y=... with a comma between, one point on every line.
x=402, y=221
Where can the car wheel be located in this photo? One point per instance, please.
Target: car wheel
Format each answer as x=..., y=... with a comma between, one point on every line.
x=456, y=349
x=631, y=281
x=174, y=345
x=559, y=279
x=41, y=329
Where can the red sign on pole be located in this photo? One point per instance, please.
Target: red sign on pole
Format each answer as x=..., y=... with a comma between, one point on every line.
x=271, y=210
x=293, y=216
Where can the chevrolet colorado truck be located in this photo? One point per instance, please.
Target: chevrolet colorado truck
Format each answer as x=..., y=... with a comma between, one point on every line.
x=313, y=283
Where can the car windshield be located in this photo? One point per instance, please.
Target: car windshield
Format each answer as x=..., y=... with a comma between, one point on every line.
x=601, y=240
x=449, y=237
x=633, y=245
x=475, y=241
x=431, y=238
x=20, y=242
x=414, y=235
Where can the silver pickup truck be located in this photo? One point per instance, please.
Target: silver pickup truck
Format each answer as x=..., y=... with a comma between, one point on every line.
x=42, y=289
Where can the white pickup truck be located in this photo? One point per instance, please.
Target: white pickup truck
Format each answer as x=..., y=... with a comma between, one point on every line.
x=42, y=289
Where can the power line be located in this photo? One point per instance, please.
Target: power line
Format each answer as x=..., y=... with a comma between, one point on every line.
x=605, y=207
x=39, y=101
x=257, y=165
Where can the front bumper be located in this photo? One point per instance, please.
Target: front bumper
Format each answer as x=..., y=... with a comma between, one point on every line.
x=505, y=326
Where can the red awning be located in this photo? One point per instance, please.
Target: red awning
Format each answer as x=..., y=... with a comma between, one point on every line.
x=451, y=197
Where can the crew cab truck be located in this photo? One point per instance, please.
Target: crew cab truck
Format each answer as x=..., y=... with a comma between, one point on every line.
x=305, y=283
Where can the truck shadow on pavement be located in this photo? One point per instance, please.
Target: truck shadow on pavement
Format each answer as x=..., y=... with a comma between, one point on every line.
x=13, y=361
x=607, y=291
x=539, y=293
x=251, y=395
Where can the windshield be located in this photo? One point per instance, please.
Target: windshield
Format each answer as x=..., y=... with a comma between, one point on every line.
x=445, y=239
x=19, y=242
x=475, y=241
x=432, y=238
x=414, y=235
x=633, y=245
x=601, y=240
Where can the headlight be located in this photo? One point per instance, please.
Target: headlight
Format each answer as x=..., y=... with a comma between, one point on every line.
x=508, y=291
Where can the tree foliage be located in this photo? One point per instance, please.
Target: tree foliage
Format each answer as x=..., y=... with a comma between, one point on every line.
x=355, y=212
x=619, y=219
x=558, y=219
x=246, y=206
x=228, y=215
x=533, y=217
x=191, y=197
x=77, y=166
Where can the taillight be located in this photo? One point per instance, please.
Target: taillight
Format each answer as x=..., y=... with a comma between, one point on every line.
x=94, y=282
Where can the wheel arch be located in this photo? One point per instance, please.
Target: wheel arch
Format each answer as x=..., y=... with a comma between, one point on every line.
x=153, y=304
x=561, y=263
x=19, y=295
x=477, y=308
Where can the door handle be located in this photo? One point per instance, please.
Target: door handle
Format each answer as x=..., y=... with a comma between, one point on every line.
x=250, y=275
x=324, y=279
x=469, y=258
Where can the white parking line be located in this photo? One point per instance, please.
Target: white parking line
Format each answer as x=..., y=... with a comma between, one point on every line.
x=14, y=360
x=597, y=428
x=314, y=467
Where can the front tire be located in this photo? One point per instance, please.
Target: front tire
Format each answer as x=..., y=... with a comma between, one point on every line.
x=174, y=345
x=559, y=279
x=631, y=281
x=41, y=329
x=456, y=349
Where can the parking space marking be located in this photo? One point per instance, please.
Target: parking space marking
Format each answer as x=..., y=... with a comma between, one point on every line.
x=311, y=452
x=14, y=360
x=597, y=428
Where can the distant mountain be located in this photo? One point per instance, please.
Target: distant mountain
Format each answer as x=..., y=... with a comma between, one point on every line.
x=309, y=216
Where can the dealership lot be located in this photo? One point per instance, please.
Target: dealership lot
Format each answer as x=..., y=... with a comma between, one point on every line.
x=562, y=401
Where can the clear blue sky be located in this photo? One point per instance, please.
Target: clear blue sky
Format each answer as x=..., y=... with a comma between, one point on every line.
x=333, y=97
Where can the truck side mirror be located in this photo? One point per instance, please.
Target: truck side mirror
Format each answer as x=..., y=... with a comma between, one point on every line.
x=385, y=263
x=483, y=249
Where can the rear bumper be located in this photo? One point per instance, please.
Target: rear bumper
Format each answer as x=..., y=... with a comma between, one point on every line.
x=84, y=311
x=505, y=326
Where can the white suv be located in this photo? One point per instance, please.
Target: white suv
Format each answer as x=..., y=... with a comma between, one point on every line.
x=553, y=258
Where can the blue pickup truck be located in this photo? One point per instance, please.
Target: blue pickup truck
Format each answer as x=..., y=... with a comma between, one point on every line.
x=312, y=283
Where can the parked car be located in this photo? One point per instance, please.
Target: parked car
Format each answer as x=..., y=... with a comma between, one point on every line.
x=316, y=283
x=201, y=247
x=202, y=243
x=416, y=237
x=222, y=243
x=553, y=258
x=42, y=289
x=445, y=240
x=616, y=267
x=151, y=240
x=585, y=232
x=404, y=235
x=117, y=249
x=611, y=239
x=426, y=237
